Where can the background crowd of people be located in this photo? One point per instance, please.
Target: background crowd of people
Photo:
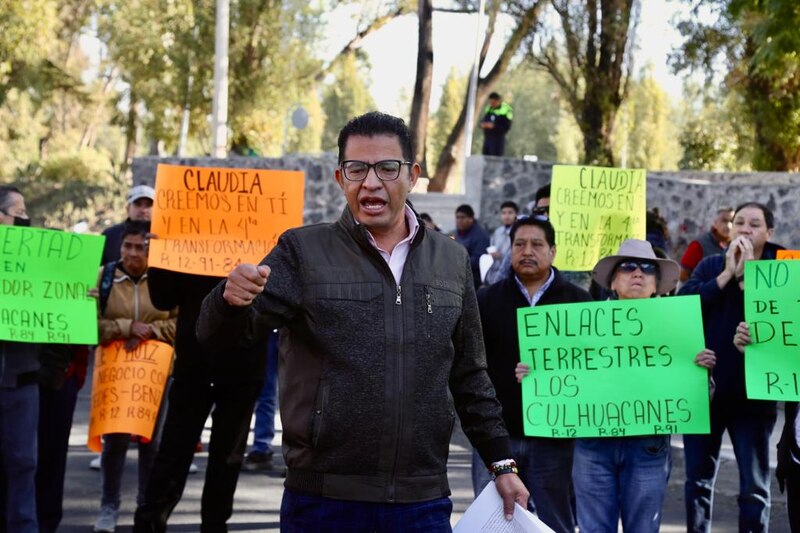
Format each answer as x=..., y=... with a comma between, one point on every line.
x=388, y=330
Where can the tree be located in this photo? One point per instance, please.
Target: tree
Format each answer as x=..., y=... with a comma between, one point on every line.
x=537, y=104
x=592, y=66
x=759, y=45
x=648, y=136
x=343, y=99
x=420, y=105
x=26, y=39
x=447, y=113
x=716, y=133
x=526, y=16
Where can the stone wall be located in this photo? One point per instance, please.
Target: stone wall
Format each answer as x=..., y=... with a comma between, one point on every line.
x=687, y=200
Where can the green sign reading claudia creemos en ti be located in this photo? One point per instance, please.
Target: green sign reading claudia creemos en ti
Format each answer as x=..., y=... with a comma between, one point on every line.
x=772, y=310
x=44, y=278
x=613, y=368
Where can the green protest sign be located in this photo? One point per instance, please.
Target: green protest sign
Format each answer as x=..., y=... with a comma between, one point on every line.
x=593, y=210
x=44, y=276
x=613, y=368
x=772, y=309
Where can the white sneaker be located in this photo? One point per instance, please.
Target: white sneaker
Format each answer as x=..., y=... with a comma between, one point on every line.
x=193, y=468
x=106, y=520
x=94, y=464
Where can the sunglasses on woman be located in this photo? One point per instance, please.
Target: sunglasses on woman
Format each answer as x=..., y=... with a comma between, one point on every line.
x=645, y=266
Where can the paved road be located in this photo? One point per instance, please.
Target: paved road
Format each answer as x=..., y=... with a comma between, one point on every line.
x=258, y=494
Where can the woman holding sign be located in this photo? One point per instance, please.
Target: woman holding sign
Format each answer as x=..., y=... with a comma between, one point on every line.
x=626, y=477
x=127, y=317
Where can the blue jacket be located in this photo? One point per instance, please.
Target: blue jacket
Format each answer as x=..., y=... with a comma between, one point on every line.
x=475, y=240
x=723, y=309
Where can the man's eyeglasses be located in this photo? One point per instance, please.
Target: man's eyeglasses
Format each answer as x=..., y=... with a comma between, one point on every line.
x=645, y=266
x=542, y=211
x=386, y=170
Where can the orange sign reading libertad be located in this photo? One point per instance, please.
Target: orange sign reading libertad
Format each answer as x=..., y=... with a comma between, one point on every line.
x=127, y=387
x=788, y=254
x=208, y=220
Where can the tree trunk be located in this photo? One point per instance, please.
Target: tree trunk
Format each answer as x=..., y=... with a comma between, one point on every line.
x=453, y=146
x=131, y=126
x=420, y=106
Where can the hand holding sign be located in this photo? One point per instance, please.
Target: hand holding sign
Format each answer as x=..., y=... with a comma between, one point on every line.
x=612, y=369
x=742, y=337
x=127, y=387
x=772, y=331
x=211, y=219
x=44, y=279
x=593, y=210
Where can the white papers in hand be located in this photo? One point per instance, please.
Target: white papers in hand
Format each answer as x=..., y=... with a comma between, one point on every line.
x=485, y=515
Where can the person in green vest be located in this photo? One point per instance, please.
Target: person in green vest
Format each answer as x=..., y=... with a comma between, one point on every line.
x=495, y=124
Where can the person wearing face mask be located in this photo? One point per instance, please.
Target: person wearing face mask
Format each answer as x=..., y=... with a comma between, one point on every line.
x=719, y=280
x=19, y=405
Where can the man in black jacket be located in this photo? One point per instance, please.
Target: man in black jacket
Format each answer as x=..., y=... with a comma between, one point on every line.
x=225, y=381
x=380, y=344
x=545, y=464
x=19, y=406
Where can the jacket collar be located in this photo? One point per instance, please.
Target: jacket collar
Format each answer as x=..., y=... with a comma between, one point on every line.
x=359, y=231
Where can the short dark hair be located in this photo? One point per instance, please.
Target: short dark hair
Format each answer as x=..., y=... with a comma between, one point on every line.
x=542, y=192
x=539, y=222
x=512, y=205
x=495, y=96
x=769, y=217
x=426, y=217
x=135, y=227
x=466, y=209
x=373, y=124
x=5, y=195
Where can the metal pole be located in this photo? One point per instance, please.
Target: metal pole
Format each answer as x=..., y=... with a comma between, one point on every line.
x=219, y=106
x=469, y=124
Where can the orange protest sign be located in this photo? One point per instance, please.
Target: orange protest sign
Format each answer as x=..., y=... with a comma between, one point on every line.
x=788, y=254
x=127, y=388
x=208, y=220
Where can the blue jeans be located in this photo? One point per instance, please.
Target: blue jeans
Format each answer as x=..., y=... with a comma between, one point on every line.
x=19, y=416
x=545, y=467
x=749, y=430
x=303, y=513
x=621, y=477
x=264, y=429
x=56, y=408
x=115, y=449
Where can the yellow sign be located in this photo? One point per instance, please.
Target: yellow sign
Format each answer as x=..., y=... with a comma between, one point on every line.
x=127, y=387
x=594, y=209
x=208, y=220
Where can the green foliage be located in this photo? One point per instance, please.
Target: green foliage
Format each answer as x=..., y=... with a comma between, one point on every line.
x=715, y=134
x=537, y=103
x=446, y=115
x=346, y=97
x=646, y=135
x=759, y=43
x=25, y=31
